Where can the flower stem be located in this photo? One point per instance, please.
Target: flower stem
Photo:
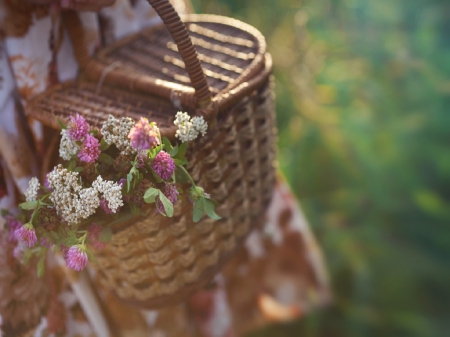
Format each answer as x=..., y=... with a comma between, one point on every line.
x=187, y=174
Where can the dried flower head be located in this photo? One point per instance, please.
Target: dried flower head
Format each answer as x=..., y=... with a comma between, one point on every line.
x=33, y=187
x=26, y=234
x=90, y=150
x=64, y=250
x=171, y=192
x=48, y=218
x=76, y=257
x=122, y=163
x=138, y=193
x=144, y=135
x=77, y=128
x=94, y=236
x=164, y=165
x=142, y=159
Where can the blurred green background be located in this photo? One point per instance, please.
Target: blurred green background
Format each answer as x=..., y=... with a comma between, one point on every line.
x=363, y=97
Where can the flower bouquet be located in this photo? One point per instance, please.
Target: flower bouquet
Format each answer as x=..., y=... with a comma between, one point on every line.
x=126, y=170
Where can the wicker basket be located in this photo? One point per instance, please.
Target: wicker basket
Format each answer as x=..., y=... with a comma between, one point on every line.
x=155, y=261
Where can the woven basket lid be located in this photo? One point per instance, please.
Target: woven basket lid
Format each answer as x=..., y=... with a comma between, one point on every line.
x=144, y=75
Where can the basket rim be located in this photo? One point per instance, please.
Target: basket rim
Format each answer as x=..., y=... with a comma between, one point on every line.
x=221, y=102
x=95, y=67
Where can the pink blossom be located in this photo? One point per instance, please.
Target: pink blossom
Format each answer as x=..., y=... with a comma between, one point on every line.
x=26, y=234
x=12, y=224
x=104, y=206
x=143, y=135
x=94, y=236
x=163, y=165
x=77, y=127
x=90, y=149
x=76, y=258
x=122, y=182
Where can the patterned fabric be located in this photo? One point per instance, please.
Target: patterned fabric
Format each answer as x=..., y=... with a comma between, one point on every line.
x=279, y=275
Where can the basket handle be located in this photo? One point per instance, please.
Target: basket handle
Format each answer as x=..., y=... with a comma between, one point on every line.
x=180, y=35
x=177, y=30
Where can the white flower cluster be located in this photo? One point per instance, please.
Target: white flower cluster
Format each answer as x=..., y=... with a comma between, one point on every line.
x=88, y=202
x=116, y=132
x=112, y=192
x=188, y=129
x=67, y=147
x=33, y=187
x=72, y=202
x=200, y=125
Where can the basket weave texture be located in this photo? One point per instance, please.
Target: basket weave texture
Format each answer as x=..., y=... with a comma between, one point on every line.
x=155, y=261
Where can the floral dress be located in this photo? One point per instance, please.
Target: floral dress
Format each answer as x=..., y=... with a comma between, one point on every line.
x=278, y=275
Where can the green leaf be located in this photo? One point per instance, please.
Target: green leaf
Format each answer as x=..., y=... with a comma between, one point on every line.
x=152, y=152
x=182, y=150
x=59, y=242
x=168, y=206
x=29, y=205
x=180, y=176
x=90, y=255
x=167, y=145
x=72, y=164
x=198, y=210
x=55, y=235
x=150, y=195
x=41, y=266
x=156, y=176
x=70, y=241
x=61, y=124
x=104, y=158
x=209, y=209
x=78, y=169
x=105, y=234
x=129, y=180
x=103, y=145
x=135, y=210
x=174, y=151
x=180, y=162
x=214, y=202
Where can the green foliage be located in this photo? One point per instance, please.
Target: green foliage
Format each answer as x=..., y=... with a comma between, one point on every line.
x=167, y=204
x=204, y=205
x=29, y=205
x=363, y=93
